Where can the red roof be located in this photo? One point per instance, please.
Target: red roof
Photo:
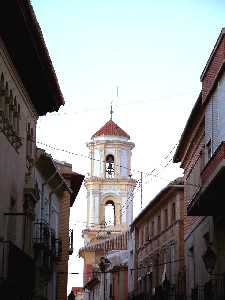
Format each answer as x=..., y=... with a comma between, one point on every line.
x=111, y=128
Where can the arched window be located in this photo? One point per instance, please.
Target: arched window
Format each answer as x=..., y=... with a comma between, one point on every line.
x=173, y=217
x=11, y=225
x=110, y=213
x=2, y=93
x=109, y=166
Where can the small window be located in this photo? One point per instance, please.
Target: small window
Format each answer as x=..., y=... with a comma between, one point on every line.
x=209, y=150
x=152, y=229
x=202, y=159
x=14, y=113
x=146, y=232
x=10, y=107
x=149, y=230
x=173, y=212
x=2, y=92
x=142, y=237
x=166, y=218
x=18, y=120
x=159, y=224
x=30, y=136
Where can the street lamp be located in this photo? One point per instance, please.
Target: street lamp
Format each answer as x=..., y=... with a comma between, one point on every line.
x=209, y=259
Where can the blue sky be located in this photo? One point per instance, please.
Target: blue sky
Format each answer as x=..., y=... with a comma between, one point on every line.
x=138, y=45
x=154, y=51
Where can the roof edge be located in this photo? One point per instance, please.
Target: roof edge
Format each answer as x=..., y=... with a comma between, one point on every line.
x=176, y=183
x=219, y=39
x=176, y=157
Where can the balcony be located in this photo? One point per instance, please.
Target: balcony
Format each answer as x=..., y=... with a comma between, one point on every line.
x=45, y=240
x=207, y=201
x=12, y=261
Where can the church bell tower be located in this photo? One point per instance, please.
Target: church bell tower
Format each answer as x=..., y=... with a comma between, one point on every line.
x=110, y=185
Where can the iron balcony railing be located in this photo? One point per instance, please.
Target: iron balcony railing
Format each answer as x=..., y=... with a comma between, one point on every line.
x=214, y=289
x=165, y=291
x=45, y=238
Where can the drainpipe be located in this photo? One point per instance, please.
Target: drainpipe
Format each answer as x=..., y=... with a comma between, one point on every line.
x=42, y=192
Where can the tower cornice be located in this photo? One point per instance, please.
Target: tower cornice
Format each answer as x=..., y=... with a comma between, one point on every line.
x=109, y=181
x=125, y=144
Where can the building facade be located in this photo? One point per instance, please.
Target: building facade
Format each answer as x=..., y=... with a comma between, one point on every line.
x=47, y=245
x=158, y=253
x=28, y=89
x=201, y=154
x=108, y=277
x=52, y=240
x=109, y=205
x=74, y=181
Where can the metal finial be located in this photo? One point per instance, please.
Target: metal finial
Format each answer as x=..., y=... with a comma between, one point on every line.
x=111, y=112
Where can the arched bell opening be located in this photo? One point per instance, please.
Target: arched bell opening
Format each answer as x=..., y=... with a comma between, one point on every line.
x=109, y=166
x=110, y=219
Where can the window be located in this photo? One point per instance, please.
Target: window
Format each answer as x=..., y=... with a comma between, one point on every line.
x=209, y=150
x=29, y=148
x=10, y=107
x=149, y=230
x=9, y=115
x=6, y=100
x=18, y=121
x=11, y=225
x=202, y=159
x=173, y=215
x=2, y=93
x=142, y=236
x=159, y=224
x=146, y=232
x=152, y=229
x=166, y=218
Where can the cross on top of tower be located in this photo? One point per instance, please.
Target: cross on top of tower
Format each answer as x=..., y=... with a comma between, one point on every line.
x=111, y=112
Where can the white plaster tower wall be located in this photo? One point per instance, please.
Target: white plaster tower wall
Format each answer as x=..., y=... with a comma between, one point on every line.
x=117, y=188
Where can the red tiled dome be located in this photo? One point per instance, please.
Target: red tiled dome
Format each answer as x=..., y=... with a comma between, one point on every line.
x=111, y=128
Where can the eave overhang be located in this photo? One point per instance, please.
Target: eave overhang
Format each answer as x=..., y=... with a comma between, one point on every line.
x=212, y=54
x=25, y=44
x=76, y=181
x=47, y=168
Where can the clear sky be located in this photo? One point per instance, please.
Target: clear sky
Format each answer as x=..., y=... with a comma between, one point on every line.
x=155, y=52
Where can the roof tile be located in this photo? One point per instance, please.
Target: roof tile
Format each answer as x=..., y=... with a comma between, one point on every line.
x=111, y=128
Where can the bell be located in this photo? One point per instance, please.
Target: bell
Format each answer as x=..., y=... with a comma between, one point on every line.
x=110, y=168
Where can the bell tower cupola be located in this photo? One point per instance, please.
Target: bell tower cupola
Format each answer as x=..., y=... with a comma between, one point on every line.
x=110, y=184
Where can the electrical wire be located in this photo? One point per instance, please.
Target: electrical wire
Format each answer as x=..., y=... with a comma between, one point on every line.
x=99, y=160
x=139, y=268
